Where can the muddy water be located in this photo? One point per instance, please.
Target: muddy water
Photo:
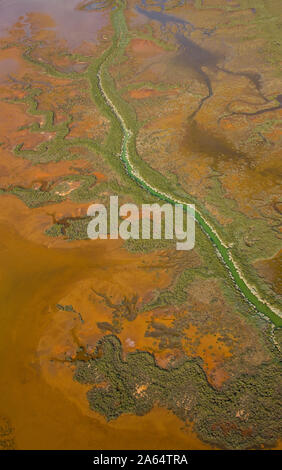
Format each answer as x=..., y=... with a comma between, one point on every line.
x=7, y=66
x=69, y=23
x=196, y=56
x=33, y=278
x=201, y=141
x=164, y=18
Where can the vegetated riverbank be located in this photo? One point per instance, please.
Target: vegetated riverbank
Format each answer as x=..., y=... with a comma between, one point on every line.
x=155, y=183
x=226, y=418
x=48, y=279
x=121, y=141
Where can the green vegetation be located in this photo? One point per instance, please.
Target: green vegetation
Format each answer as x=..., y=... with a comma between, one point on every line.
x=7, y=439
x=55, y=230
x=149, y=178
x=264, y=127
x=49, y=68
x=34, y=197
x=244, y=414
x=251, y=239
x=278, y=337
x=84, y=191
x=58, y=147
x=122, y=136
x=76, y=229
x=265, y=23
x=150, y=85
x=147, y=246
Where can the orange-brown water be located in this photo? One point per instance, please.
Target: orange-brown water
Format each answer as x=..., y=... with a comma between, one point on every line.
x=68, y=23
x=33, y=278
x=46, y=408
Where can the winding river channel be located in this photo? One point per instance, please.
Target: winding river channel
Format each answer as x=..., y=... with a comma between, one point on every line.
x=223, y=250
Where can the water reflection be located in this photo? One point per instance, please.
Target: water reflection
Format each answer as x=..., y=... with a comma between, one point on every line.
x=8, y=66
x=72, y=24
x=194, y=55
x=165, y=18
x=99, y=5
x=160, y=3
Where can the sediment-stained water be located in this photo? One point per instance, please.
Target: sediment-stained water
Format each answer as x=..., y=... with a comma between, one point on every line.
x=60, y=142
x=62, y=17
x=52, y=412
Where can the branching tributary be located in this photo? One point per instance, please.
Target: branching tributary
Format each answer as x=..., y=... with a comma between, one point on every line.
x=222, y=249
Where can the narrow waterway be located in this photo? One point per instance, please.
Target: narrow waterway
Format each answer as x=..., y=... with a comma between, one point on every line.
x=222, y=249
